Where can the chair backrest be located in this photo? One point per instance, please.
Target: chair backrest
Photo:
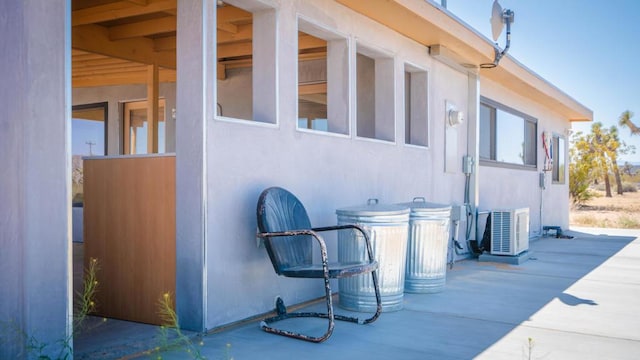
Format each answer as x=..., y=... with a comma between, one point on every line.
x=279, y=210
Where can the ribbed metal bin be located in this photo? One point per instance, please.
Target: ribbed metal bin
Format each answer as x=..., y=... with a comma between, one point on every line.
x=387, y=226
x=426, y=268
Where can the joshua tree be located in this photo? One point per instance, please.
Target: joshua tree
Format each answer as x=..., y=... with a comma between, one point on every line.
x=625, y=121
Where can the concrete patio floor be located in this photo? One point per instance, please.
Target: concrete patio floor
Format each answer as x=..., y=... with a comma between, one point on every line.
x=573, y=299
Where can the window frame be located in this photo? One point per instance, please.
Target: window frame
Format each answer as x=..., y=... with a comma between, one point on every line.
x=337, y=86
x=105, y=106
x=494, y=106
x=265, y=72
x=381, y=125
x=558, y=177
x=418, y=77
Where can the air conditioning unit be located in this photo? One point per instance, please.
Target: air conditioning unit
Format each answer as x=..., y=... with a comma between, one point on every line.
x=509, y=231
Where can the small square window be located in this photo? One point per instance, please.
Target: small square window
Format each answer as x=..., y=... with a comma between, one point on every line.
x=245, y=71
x=416, y=107
x=323, y=81
x=375, y=95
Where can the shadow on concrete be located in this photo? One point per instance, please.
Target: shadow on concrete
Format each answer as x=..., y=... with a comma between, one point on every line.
x=483, y=306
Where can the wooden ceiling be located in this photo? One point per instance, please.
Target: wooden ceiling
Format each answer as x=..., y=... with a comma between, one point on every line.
x=115, y=41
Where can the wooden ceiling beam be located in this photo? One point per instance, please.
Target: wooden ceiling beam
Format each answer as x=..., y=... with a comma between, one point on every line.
x=143, y=28
x=308, y=89
x=310, y=42
x=235, y=50
x=231, y=50
x=119, y=10
x=99, y=61
x=233, y=14
x=95, y=39
x=243, y=33
x=139, y=77
x=165, y=43
x=106, y=66
x=228, y=27
x=131, y=67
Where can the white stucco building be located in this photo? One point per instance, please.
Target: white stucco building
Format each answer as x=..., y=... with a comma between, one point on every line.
x=336, y=100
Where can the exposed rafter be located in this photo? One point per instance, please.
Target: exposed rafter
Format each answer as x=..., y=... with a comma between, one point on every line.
x=162, y=25
x=95, y=39
x=119, y=10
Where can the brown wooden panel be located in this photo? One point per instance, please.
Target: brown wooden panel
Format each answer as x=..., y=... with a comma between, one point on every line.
x=129, y=226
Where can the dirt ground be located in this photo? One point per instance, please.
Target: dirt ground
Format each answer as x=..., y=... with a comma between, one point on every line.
x=619, y=211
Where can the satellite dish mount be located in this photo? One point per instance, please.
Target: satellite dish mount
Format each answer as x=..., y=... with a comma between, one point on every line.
x=499, y=18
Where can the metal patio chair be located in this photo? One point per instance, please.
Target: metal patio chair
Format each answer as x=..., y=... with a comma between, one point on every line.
x=284, y=225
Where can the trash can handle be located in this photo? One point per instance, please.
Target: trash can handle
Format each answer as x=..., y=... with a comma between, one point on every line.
x=419, y=199
x=372, y=201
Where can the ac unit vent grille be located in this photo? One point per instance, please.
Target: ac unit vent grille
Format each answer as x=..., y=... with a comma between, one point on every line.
x=509, y=231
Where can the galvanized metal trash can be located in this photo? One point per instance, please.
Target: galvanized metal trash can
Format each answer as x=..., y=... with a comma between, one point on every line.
x=426, y=268
x=387, y=226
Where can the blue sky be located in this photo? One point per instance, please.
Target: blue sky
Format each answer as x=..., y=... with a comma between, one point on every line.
x=589, y=49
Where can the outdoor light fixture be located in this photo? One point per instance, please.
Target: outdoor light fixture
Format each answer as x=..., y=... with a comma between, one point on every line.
x=454, y=116
x=499, y=17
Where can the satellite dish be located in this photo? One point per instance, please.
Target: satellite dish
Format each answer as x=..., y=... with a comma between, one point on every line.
x=499, y=17
x=497, y=21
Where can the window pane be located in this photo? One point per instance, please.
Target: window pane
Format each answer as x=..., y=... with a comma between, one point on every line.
x=485, y=132
x=561, y=160
x=87, y=138
x=557, y=156
x=509, y=138
x=530, y=137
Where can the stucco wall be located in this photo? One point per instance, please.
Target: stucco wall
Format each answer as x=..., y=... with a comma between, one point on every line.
x=35, y=187
x=223, y=164
x=326, y=171
x=509, y=188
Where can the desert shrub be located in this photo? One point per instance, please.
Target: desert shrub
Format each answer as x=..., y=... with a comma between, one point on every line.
x=629, y=187
x=627, y=222
x=587, y=220
x=579, y=183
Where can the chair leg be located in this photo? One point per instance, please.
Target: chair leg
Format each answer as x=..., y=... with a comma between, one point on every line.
x=376, y=287
x=283, y=314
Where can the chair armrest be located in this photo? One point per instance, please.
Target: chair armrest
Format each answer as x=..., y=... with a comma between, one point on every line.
x=351, y=226
x=311, y=232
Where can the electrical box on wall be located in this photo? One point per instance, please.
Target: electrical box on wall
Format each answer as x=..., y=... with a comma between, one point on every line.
x=458, y=212
x=467, y=164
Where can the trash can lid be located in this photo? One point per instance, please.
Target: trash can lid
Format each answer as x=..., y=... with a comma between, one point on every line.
x=373, y=208
x=419, y=204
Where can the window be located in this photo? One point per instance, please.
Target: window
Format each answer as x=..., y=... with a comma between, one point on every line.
x=246, y=74
x=506, y=136
x=416, y=127
x=323, y=81
x=375, y=95
x=558, y=159
x=88, y=137
x=137, y=137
